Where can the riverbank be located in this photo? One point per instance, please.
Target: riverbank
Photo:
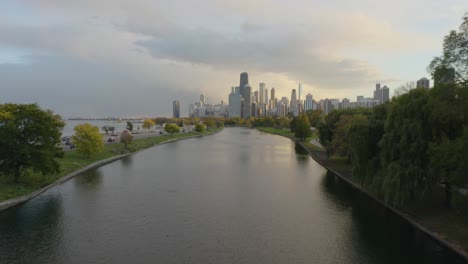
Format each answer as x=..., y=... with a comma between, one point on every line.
x=447, y=227
x=73, y=164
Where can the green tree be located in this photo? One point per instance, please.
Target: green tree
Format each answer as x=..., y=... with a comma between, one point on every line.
x=87, y=139
x=199, y=128
x=302, y=130
x=209, y=123
x=126, y=138
x=148, y=123
x=29, y=139
x=455, y=56
x=171, y=129
x=315, y=117
x=340, y=140
x=129, y=126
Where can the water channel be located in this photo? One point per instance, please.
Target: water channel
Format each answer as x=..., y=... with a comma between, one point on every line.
x=239, y=196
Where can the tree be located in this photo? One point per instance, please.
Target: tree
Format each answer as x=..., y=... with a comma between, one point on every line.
x=87, y=139
x=209, y=123
x=340, y=140
x=129, y=126
x=199, y=128
x=454, y=60
x=171, y=129
x=112, y=129
x=126, y=138
x=105, y=128
x=29, y=139
x=315, y=117
x=302, y=130
x=148, y=123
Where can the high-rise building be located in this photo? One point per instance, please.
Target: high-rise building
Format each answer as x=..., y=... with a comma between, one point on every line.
x=255, y=97
x=176, y=109
x=261, y=93
x=378, y=92
x=202, y=99
x=247, y=98
x=423, y=82
x=300, y=92
x=385, y=94
x=235, y=103
x=327, y=106
x=266, y=97
x=272, y=91
x=293, y=98
x=244, y=80
x=309, y=102
x=345, y=103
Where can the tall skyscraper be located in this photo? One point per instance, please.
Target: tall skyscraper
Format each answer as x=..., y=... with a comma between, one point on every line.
x=176, y=109
x=385, y=94
x=244, y=80
x=255, y=97
x=378, y=93
x=261, y=94
x=266, y=97
x=309, y=102
x=300, y=92
x=202, y=99
x=423, y=82
x=247, y=97
x=235, y=103
x=293, y=98
x=272, y=93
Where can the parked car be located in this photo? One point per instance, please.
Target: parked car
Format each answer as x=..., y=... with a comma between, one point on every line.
x=111, y=140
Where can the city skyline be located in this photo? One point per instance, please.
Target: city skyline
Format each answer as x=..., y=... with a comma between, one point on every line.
x=116, y=58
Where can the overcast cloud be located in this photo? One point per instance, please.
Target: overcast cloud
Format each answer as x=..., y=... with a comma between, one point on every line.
x=127, y=58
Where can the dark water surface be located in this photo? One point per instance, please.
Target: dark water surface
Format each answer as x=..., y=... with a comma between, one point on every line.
x=239, y=196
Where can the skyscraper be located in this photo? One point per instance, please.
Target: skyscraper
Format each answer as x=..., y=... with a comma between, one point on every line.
x=261, y=94
x=378, y=93
x=235, y=103
x=385, y=94
x=255, y=97
x=266, y=96
x=300, y=92
x=244, y=80
x=247, y=97
x=202, y=99
x=309, y=102
x=423, y=82
x=176, y=109
x=293, y=98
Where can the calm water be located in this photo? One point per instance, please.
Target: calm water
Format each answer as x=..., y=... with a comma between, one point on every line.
x=70, y=125
x=239, y=196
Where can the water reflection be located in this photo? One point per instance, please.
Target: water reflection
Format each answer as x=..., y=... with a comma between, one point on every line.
x=35, y=225
x=127, y=161
x=302, y=156
x=91, y=179
x=379, y=232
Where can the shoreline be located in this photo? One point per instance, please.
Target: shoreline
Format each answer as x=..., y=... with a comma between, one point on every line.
x=24, y=198
x=457, y=249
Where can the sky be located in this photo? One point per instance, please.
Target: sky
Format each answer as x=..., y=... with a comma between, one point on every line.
x=104, y=58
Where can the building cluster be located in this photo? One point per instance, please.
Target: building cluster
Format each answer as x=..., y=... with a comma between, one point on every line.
x=245, y=103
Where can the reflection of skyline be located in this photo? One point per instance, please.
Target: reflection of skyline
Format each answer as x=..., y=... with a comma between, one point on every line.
x=35, y=224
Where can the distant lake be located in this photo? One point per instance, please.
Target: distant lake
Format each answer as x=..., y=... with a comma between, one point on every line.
x=70, y=125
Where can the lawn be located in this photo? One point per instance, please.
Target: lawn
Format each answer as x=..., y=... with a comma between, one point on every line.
x=73, y=161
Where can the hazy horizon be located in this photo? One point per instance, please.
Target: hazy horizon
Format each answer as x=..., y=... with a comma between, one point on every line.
x=133, y=58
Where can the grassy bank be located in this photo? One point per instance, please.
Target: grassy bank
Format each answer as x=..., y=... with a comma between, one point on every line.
x=447, y=224
x=73, y=161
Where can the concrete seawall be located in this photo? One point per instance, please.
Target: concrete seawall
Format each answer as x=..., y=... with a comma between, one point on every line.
x=433, y=235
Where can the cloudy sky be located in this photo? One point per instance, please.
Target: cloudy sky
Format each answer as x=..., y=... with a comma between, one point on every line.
x=128, y=58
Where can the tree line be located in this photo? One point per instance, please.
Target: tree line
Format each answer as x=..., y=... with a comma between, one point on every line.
x=418, y=141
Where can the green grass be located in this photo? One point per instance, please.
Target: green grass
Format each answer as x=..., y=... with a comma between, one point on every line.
x=73, y=161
